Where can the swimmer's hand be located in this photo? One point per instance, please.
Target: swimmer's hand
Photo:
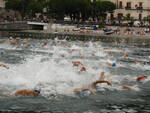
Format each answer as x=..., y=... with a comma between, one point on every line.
x=108, y=83
x=7, y=67
x=4, y=66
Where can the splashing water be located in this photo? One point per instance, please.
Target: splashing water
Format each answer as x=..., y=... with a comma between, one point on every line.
x=50, y=67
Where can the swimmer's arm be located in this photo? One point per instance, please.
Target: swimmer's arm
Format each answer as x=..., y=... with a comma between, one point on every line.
x=83, y=89
x=4, y=66
x=108, y=63
x=127, y=87
x=108, y=83
x=77, y=89
x=80, y=55
x=91, y=91
x=103, y=81
x=102, y=76
x=81, y=64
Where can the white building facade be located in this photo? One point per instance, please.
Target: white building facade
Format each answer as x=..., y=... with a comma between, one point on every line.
x=138, y=9
x=2, y=4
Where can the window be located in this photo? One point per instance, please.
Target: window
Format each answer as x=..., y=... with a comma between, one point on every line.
x=140, y=4
x=128, y=5
x=120, y=4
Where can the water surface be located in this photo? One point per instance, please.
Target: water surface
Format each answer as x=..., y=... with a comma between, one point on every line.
x=50, y=68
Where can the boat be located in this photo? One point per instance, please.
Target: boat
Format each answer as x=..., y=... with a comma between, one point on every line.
x=108, y=31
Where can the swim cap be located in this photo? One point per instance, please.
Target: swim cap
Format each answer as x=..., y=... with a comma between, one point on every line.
x=113, y=64
x=36, y=89
x=85, y=93
x=141, y=78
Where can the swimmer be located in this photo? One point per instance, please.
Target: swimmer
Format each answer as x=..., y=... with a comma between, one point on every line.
x=17, y=39
x=80, y=55
x=109, y=53
x=62, y=55
x=83, y=91
x=13, y=41
x=106, y=48
x=1, y=51
x=26, y=42
x=118, y=48
x=136, y=62
x=2, y=65
x=53, y=43
x=44, y=44
x=73, y=50
x=93, y=54
x=125, y=55
x=27, y=92
x=112, y=64
x=141, y=78
x=101, y=80
x=17, y=46
x=77, y=63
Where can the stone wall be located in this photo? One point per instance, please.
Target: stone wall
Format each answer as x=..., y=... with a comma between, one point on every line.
x=133, y=40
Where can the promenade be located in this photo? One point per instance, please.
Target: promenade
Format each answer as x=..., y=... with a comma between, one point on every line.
x=130, y=35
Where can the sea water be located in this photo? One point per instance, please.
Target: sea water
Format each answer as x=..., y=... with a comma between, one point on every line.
x=50, y=68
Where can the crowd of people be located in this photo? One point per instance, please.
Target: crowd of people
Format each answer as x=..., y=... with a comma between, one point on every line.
x=113, y=30
x=84, y=91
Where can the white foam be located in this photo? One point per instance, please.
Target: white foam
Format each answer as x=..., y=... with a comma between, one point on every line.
x=56, y=75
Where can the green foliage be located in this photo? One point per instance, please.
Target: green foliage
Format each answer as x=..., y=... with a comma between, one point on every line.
x=26, y=7
x=76, y=9
x=13, y=4
x=127, y=17
x=101, y=25
x=147, y=19
x=101, y=7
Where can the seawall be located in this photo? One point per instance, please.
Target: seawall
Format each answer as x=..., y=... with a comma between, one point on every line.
x=135, y=40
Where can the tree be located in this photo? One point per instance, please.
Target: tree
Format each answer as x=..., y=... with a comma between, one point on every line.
x=76, y=9
x=102, y=7
x=56, y=8
x=147, y=19
x=26, y=7
x=85, y=9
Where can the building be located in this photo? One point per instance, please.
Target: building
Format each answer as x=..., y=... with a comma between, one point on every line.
x=2, y=3
x=137, y=9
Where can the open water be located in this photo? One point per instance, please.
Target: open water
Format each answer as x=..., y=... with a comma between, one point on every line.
x=50, y=67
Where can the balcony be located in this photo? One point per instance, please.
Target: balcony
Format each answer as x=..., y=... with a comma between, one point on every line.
x=128, y=8
x=120, y=7
x=135, y=8
x=139, y=8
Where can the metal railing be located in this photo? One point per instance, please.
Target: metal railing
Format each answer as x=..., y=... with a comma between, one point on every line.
x=135, y=8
